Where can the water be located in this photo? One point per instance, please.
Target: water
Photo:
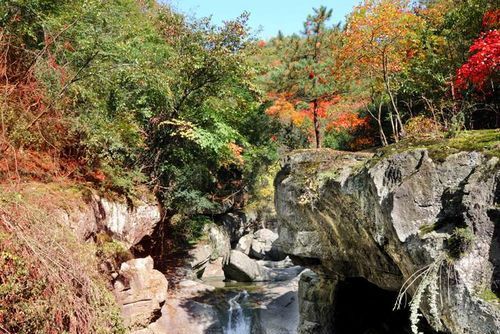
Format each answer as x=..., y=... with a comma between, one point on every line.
x=238, y=322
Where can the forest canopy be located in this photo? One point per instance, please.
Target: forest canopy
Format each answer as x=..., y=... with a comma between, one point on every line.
x=128, y=92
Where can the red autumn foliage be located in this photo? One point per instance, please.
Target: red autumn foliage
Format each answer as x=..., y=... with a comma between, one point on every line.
x=482, y=64
x=491, y=19
x=349, y=121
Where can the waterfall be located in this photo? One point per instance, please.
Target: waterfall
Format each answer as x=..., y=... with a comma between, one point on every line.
x=237, y=322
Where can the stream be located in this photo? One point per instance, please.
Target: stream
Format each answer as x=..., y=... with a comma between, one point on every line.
x=239, y=321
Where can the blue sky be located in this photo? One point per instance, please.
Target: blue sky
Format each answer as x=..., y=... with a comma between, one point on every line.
x=270, y=15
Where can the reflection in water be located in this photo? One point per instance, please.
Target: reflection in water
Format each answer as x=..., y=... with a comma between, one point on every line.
x=238, y=322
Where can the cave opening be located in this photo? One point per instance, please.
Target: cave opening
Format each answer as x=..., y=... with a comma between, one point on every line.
x=363, y=308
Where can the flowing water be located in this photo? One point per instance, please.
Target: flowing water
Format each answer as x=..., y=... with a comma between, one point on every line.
x=238, y=322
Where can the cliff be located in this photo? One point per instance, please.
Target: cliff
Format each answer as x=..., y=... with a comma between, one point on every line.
x=411, y=220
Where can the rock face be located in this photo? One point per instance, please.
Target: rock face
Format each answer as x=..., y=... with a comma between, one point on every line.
x=141, y=291
x=123, y=221
x=245, y=243
x=128, y=223
x=384, y=218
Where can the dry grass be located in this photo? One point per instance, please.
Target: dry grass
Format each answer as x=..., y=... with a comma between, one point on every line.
x=49, y=282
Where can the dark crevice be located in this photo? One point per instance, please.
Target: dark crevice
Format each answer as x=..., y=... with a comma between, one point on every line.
x=363, y=308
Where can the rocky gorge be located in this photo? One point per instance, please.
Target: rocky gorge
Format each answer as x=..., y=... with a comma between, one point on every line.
x=394, y=241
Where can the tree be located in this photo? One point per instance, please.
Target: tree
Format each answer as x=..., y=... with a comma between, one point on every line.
x=304, y=72
x=381, y=38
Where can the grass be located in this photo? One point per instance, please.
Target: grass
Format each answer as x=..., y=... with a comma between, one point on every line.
x=50, y=282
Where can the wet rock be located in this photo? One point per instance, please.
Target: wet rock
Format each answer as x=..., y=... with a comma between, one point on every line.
x=278, y=310
x=140, y=290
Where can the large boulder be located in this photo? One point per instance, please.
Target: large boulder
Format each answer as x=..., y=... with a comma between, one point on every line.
x=141, y=291
x=245, y=243
x=210, y=253
x=128, y=223
x=242, y=268
x=383, y=218
x=124, y=220
x=262, y=243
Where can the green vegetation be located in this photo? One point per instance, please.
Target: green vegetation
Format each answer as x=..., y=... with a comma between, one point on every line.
x=484, y=141
x=490, y=297
x=125, y=95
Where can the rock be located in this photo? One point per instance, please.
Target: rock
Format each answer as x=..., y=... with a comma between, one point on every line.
x=245, y=243
x=129, y=223
x=213, y=270
x=262, y=243
x=316, y=304
x=199, y=257
x=121, y=220
x=242, y=268
x=235, y=224
x=215, y=245
x=278, y=310
x=140, y=290
x=182, y=314
x=346, y=215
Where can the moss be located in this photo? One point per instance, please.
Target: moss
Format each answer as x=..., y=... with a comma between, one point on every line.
x=490, y=297
x=427, y=228
x=460, y=242
x=485, y=141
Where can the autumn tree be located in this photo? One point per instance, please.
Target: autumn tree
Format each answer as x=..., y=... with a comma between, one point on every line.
x=304, y=74
x=381, y=38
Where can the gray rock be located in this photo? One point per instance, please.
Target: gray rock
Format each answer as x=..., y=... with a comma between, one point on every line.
x=245, y=243
x=129, y=224
x=242, y=268
x=140, y=290
x=262, y=243
x=211, y=252
x=344, y=215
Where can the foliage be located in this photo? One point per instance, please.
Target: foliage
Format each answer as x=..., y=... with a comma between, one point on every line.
x=301, y=82
x=49, y=282
x=482, y=65
x=460, y=242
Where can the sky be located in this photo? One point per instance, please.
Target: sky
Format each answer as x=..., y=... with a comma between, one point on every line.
x=269, y=16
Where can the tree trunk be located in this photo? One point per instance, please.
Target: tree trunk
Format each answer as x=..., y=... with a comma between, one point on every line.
x=316, y=124
x=383, y=138
x=391, y=96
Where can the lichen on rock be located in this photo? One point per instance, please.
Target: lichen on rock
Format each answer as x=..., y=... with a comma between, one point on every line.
x=367, y=218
